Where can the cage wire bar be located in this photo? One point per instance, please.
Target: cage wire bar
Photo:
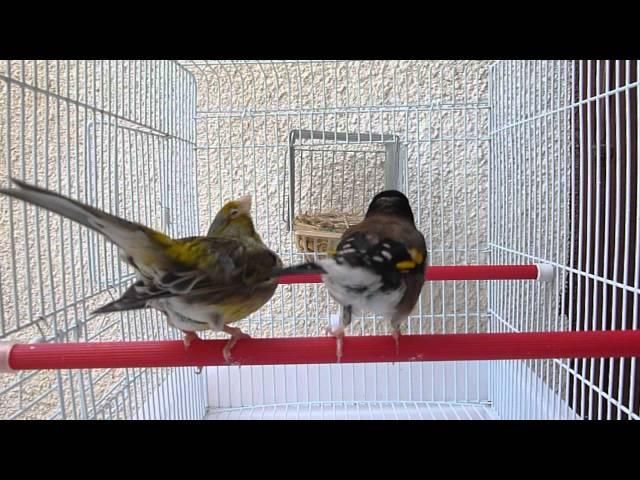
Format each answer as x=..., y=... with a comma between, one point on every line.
x=507, y=163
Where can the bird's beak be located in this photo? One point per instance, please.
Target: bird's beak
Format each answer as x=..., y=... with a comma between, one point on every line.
x=244, y=204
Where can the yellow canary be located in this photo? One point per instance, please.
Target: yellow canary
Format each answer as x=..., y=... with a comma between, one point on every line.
x=200, y=283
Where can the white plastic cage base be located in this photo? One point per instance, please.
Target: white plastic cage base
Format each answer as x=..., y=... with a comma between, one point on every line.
x=357, y=411
x=375, y=391
x=378, y=391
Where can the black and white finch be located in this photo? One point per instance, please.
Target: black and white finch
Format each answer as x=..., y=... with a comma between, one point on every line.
x=378, y=266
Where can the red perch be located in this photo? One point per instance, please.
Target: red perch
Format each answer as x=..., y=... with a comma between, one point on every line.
x=316, y=350
x=543, y=272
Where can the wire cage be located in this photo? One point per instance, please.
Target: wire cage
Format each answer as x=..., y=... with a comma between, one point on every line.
x=509, y=162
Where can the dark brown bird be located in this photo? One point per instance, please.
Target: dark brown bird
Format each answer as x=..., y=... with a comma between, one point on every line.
x=378, y=266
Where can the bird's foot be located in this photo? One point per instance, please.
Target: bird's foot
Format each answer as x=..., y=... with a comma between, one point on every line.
x=189, y=337
x=396, y=336
x=338, y=333
x=236, y=334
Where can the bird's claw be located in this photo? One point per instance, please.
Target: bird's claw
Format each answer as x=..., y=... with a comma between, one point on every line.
x=189, y=338
x=236, y=334
x=396, y=336
x=226, y=353
x=338, y=333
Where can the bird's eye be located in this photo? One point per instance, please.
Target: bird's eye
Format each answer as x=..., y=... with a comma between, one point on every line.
x=234, y=213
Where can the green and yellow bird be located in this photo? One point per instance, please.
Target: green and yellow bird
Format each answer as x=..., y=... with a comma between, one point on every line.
x=200, y=283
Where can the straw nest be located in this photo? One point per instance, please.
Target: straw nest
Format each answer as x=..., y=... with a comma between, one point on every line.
x=319, y=232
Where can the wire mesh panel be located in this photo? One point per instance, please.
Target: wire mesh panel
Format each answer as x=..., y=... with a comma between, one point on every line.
x=118, y=135
x=564, y=190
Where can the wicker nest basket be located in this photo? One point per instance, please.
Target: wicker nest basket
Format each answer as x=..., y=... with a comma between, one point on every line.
x=319, y=232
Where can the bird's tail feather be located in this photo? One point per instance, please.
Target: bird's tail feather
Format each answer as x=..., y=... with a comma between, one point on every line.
x=130, y=300
x=114, y=228
x=119, y=305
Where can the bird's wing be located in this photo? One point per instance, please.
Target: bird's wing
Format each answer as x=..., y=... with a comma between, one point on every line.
x=202, y=267
x=383, y=244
